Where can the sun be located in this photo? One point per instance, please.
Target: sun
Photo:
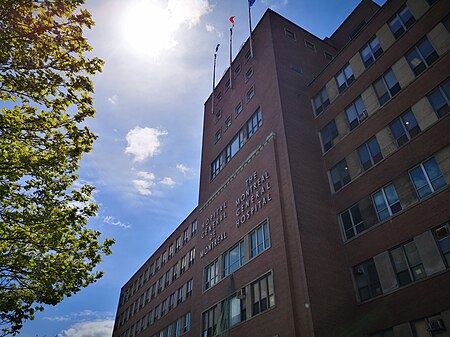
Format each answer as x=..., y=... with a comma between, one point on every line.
x=147, y=28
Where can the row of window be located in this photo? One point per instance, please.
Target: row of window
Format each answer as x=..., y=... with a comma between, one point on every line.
x=181, y=326
x=406, y=263
x=402, y=129
x=308, y=44
x=177, y=297
x=432, y=326
x=249, y=247
x=236, y=309
x=426, y=178
x=160, y=261
x=238, y=141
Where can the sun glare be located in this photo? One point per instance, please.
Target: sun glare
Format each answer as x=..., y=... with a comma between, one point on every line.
x=147, y=28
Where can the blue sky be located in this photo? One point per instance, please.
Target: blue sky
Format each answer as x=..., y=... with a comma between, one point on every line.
x=149, y=100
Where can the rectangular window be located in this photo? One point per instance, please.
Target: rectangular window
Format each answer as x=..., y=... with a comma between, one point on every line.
x=262, y=294
x=254, y=123
x=163, y=307
x=164, y=258
x=186, y=235
x=369, y=153
x=227, y=84
x=401, y=22
x=218, y=135
x=344, y=78
x=157, y=263
x=171, y=301
x=386, y=202
x=171, y=251
x=189, y=285
x=352, y=222
x=209, y=322
x=178, y=244
x=427, y=178
x=356, y=113
x=386, y=87
x=366, y=280
x=310, y=45
x=371, y=51
x=421, y=56
x=211, y=275
x=442, y=235
x=228, y=122
x=289, y=34
x=321, y=101
x=183, y=264
x=328, y=56
x=191, y=257
x=233, y=259
x=328, y=134
x=187, y=322
x=178, y=327
x=339, y=175
x=404, y=128
x=160, y=284
x=238, y=109
x=440, y=99
x=194, y=227
x=259, y=240
x=250, y=94
x=167, y=279
x=248, y=55
x=407, y=263
x=175, y=272
x=237, y=309
x=180, y=295
x=237, y=70
x=248, y=74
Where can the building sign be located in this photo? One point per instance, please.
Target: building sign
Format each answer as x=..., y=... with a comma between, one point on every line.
x=255, y=196
x=210, y=227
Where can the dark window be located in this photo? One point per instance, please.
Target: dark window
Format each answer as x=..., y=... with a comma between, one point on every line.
x=262, y=294
x=233, y=259
x=401, y=22
x=218, y=135
x=250, y=93
x=310, y=45
x=289, y=34
x=259, y=240
x=367, y=281
x=209, y=322
x=386, y=87
x=352, y=222
x=371, y=51
x=340, y=175
x=238, y=109
x=427, y=178
x=211, y=275
x=228, y=122
x=386, y=202
x=328, y=56
x=344, y=78
x=227, y=84
x=356, y=113
x=248, y=55
x=404, y=128
x=440, y=99
x=194, y=227
x=237, y=70
x=407, y=263
x=248, y=74
x=446, y=23
x=296, y=68
x=321, y=101
x=369, y=153
x=442, y=235
x=328, y=134
x=421, y=56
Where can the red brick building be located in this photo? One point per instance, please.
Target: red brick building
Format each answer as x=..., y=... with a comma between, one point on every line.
x=324, y=204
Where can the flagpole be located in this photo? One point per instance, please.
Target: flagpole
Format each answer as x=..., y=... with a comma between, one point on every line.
x=231, y=52
x=250, y=28
x=214, y=78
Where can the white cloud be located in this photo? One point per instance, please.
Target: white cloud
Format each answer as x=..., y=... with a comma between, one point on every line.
x=210, y=28
x=168, y=182
x=144, y=184
x=101, y=328
x=115, y=222
x=144, y=142
x=113, y=99
x=57, y=318
x=183, y=168
x=188, y=11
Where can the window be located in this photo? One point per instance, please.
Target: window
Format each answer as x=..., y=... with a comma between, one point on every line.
x=328, y=56
x=163, y=307
x=356, y=113
x=180, y=295
x=216, y=166
x=219, y=96
x=248, y=55
x=233, y=259
x=238, y=69
x=440, y=99
x=404, y=128
x=167, y=279
x=237, y=310
x=228, y=122
x=259, y=240
x=211, y=274
x=227, y=84
x=183, y=264
x=289, y=34
x=357, y=29
x=209, y=322
x=310, y=45
x=189, y=288
x=164, y=257
x=344, y=78
x=191, y=257
x=296, y=68
x=248, y=74
x=429, y=326
x=321, y=101
x=187, y=322
x=177, y=327
x=427, y=178
x=186, y=235
x=386, y=202
x=407, y=263
x=339, y=175
x=156, y=311
x=352, y=222
x=262, y=294
x=160, y=284
x=401, y=22
x=442, y=235
x=171, y=301
x=238, y=109
x=386, y=87
x=254, y=123
x=421, y=56
x=328, y=134
x=369, y=153
x=175, y=272
x=178, y=244
x=366, y=280
x=218, y=135
x=194, y=227
x=250, y=93
x=371, y=51
x=157, y=263
x=170, y=251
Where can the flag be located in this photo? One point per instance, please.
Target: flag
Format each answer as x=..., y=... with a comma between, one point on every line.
x=232, y=22
x=217, y=48
x=251, y=2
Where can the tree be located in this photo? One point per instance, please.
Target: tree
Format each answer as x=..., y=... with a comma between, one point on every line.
x=46, y=250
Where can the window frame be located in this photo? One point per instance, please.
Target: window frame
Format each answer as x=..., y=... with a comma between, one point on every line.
x=425, y=61
x=323, y=102
x=256, y=247
x=404, y=25
x=360, y=116
x=211, y=275
x=409, y=265
x=347, y=79
x=373, y=158
x=443, y=109
x=337, y=171
x=373, y=286
x=355, y=227
x=389, y=205
x=374, y=54
x=429, y=182
x=408, y=132
x=389, y=91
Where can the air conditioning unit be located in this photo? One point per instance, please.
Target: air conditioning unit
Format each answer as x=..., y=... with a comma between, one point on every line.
x=241, y=294
x=435, y=325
